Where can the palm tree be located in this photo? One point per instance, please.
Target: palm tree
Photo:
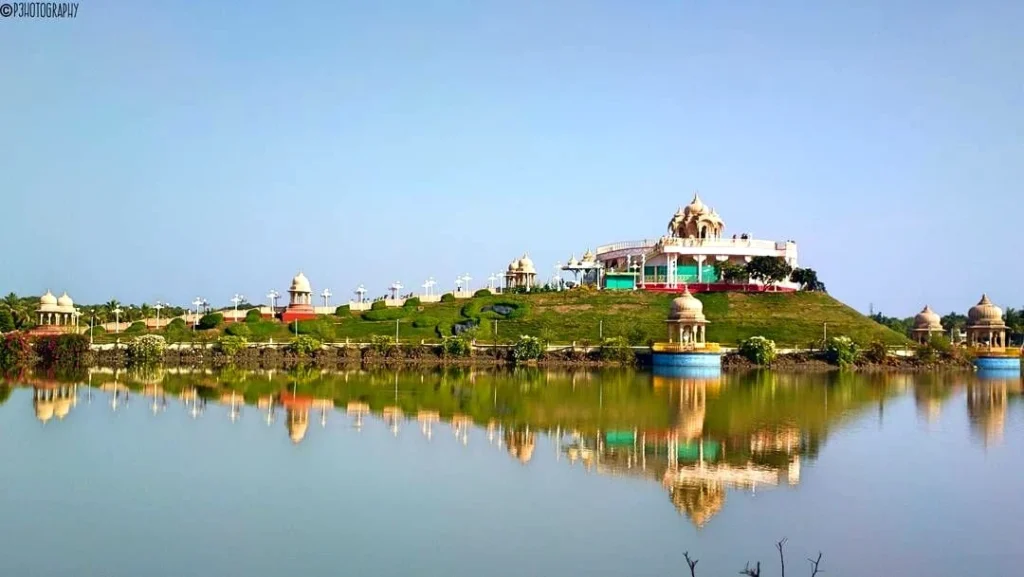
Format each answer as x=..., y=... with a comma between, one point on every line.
x=19, y=314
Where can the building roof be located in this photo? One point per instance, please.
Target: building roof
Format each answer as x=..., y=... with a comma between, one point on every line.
x=927, y=320
x=687, y=308
x=985, y=314
x=300, y=284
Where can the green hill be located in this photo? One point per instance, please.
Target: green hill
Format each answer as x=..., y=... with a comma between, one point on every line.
x=790, y=319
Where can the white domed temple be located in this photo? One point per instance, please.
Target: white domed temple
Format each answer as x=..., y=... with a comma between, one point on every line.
x=56, y=315
x=687, y=254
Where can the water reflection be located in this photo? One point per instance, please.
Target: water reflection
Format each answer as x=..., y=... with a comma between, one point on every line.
x=699, y=435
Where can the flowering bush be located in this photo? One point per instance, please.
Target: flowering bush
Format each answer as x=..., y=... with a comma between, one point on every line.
x=617, y=350
x=15, y=351
x=841, y=351
x=232, y=345
x=305, y=345
x=759, y=350
x=527, y=348
x=146, y=350
x=383, y=344
x=62, y=351
x=452, y=346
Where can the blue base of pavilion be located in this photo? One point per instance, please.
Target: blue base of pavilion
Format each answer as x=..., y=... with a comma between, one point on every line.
x=691, y=372
x=997, y=364
x=689, y=359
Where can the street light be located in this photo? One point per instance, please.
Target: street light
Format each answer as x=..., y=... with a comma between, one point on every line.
x=327, y=297
x=360, y=291
x=117, y=319
x=394, y=290
x=458, y=284
x=236, y=300
x=466, y=278
x=159, y=306
x=195, y=320
x=490, y=282
x=273, y=296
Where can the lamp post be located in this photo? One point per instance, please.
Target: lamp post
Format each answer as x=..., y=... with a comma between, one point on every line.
x=92, y=323
x=159, y=306
x=360, y=292
x=558, y=274
x=273, y=296
x=433, y=283
x=117, y=319
x=458, y=284
x=426, y=288
x=195, y=320
x=327, y=297
x=466, y=278
x=78, y=313
x=397, y=286
x=490, y=282
x=236, y=300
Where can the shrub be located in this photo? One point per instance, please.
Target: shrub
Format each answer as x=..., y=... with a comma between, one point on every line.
x=146, y=350
x=238, y=330
x=617, y=350
x=411, y=302
x=253, y=316
x=391, y=314
x=876, y=352
x=447, y=298
x=136, y=328
x=527, y=348
x=482, y=293
x=232, y=345
x=636, y=336
x=15, y=351
x=304, y=345
x=383, y=344
x=176, y=324
x=424, y=322
x=454, y=347
x=6, y=320
x=343, y=311
x=64, y=351
x=210, y=321
x=759, y=350
x=378, y=305
x=319, y=328
x=841, y=351
x=443, y=329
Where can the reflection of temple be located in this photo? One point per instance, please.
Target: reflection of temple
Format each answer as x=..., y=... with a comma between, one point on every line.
x=54, y=400
x=520, y=444
x=296, y=409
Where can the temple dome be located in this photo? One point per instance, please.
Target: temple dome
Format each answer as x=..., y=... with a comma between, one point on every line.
x=513, y=266
x=48, y=299
x=686, y=307
x=695, y=207
x=985, y=313
x=65, y=301
x=573, y=261
x=927, y=319
x=300, y=284
x=44, y=410
x=297, y=430
x=62, y=408
x=526, y=265
x=589, y=256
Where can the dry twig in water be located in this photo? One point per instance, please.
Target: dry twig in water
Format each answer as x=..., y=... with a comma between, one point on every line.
x=755, y=572
x=782, y=558
x=814, y=565
x=692, y=563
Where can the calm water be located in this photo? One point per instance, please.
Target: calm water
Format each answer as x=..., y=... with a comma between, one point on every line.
x=533, y=473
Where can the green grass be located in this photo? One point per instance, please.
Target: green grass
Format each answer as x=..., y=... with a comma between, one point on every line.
x=790, y=319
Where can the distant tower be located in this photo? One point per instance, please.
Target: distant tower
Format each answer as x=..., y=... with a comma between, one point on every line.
x=300, y=301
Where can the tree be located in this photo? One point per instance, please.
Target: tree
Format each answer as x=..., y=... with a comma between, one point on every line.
x=732, y=273
x=769, y=269
x=6, y=320
x=807, y=278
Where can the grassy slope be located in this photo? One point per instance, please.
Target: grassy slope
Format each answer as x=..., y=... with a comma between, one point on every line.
x=790, y=319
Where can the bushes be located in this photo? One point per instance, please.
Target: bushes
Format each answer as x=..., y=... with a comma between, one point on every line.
x=455, y=347
x=378, y=305
x=15, y=351
x=232, y=345
x=759, y=350
x=527, y=348
x=343, y=311
x=482, y=293
x=841, y=351
x=64, y=351
x=411, y=302
x=146, y=350
x=636, y=337
x=136, y=328
x=239, y=330
x=447, y=298
x=304, y=345
x=617, y=350
x=385, y=314
x=937, y=347
x=876, y=352
x=253, y=316
x=6, y=320
x=383, y=345
x=211, y=321
x=424, y=322
x=321, y=329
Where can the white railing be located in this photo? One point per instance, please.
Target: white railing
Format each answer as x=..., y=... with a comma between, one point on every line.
x=646, y=243
x=723, y=243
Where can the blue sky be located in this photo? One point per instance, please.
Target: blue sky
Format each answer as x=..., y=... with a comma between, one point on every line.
x=164, y=150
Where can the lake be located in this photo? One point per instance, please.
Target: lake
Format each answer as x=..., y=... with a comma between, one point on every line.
x=532, y=472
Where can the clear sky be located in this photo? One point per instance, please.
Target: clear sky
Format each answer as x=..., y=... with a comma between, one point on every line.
x=168, y=150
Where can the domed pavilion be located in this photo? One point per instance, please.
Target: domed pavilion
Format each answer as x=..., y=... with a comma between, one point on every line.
x=56, y=315
x=686, y=321
x=985, y=326
x=300, y=301
x=521, y=274
x=926, y=324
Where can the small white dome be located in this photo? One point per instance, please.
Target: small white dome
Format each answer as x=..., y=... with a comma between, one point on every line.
x=686, y=307
x=927, y=319
x=48, y=299
x=65, y=301
x=526, y=265
x=300, y=284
